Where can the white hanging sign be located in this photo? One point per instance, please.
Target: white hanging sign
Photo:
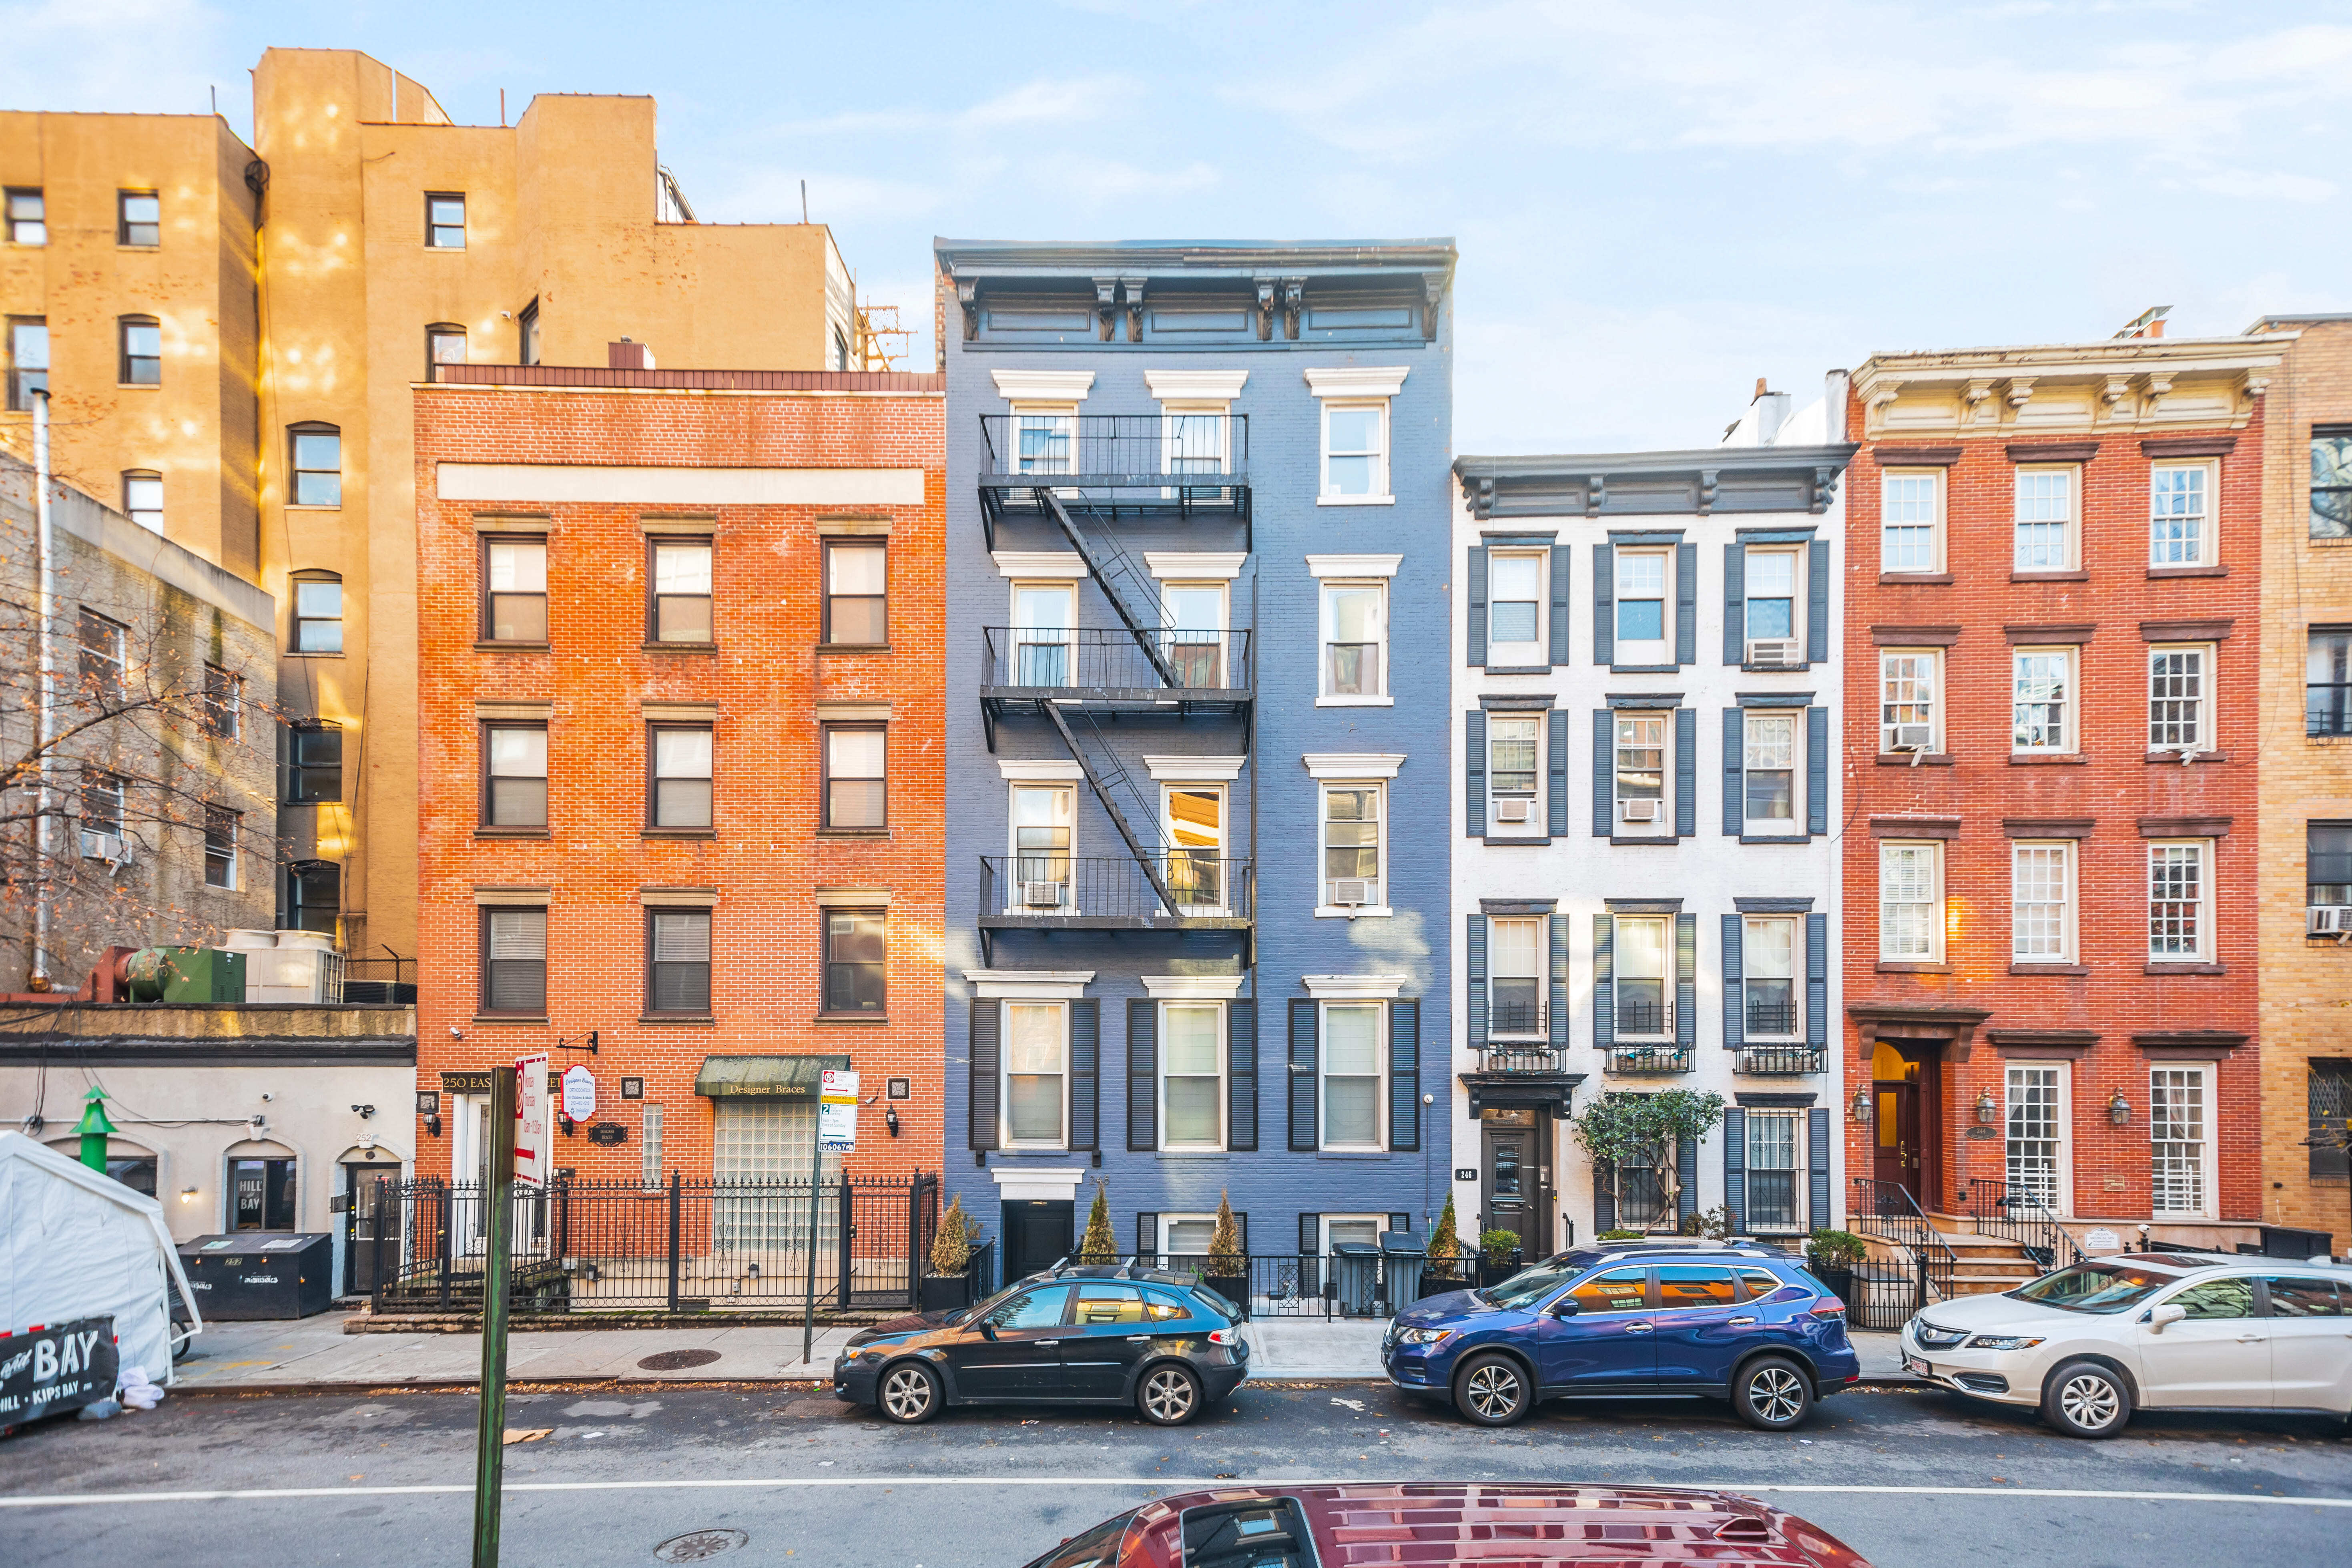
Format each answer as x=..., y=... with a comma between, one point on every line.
x=836, y=1114
x=579, y=1092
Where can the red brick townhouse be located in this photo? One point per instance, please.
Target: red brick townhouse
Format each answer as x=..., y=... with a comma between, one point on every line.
x=680, y=790
x=2050, y=738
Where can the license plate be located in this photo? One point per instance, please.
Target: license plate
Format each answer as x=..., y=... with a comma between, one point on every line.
x=1913, y=1364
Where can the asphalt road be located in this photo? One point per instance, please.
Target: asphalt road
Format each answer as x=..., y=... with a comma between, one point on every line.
x=1906, y=1478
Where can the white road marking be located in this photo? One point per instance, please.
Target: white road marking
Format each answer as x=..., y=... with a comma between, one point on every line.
x=1162, y=1484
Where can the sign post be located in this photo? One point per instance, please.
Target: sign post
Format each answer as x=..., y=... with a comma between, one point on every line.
x=834, y=1132
x=489, y=1459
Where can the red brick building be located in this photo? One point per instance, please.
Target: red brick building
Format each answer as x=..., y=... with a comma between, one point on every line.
x=2052, y=633
x=681, y=791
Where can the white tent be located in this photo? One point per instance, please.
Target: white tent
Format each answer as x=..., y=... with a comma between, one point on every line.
x=77, y=1244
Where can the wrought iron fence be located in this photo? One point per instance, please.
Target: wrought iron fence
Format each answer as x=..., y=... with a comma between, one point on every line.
x=1516, y=1018
x=1194, y=452
x=1643, y=1015
x=1772, y=1014
x=1100, y=658
x=1525, y=1059
x=1887, y=1210
x=1649, y=1058
x=2015, y=1214
x=1045, y=884
x=1782, y=1061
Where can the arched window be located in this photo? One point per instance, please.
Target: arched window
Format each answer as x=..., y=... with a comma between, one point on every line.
x=142, y=351
x=143, y=497
x=444, y=344
x=318, y=612
x=315, y=454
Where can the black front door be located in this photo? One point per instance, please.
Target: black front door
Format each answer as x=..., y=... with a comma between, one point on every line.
x=1514, y=1173
x=364, y=1220
x=1036, y=1234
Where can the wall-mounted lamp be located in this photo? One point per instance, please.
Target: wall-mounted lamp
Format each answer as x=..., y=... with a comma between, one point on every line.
x=1987, y=1110
x=433, y=1127
x=1860, y=1110
x=890, y=1119
x=2119, y=1109
x=187, y=1194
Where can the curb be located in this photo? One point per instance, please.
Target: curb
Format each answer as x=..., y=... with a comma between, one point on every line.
x=527, y=1385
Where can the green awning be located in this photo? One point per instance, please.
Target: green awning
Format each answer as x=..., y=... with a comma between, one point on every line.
x=772, y=1077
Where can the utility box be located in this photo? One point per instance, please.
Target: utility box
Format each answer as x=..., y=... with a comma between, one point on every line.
x=260, y=1274
x=200, y=974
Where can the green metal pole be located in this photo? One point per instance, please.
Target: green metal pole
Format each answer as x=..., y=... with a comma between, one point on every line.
x=489, y=1460
x=816, y=1165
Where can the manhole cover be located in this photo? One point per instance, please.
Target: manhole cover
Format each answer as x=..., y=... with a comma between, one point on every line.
x=698, y=1544
x=672, y=1361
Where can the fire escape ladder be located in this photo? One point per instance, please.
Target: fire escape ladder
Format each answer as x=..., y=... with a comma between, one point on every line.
x=1104, y=774
x=1129, y=588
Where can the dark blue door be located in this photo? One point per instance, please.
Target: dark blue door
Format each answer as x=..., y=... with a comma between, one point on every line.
x=1605, y=1344
x=1701, y=1325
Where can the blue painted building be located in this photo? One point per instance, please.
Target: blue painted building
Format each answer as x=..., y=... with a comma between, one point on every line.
x=1198, y=771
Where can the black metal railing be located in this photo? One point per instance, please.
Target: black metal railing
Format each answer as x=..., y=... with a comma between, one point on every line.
x=1516, y=1018
x=1043, y=887
x=1643, y=1015
x=1200, y=454
x=1775, y=1204
x=1524, y=1059
x=390, y=981
x=2327, y=708
x=1783, y=1061
x=1887, y=1209
x=1637, y=1058
x=1095, y=658
x=676, y=1246
x=2015, y=1214
x=1771, y=1015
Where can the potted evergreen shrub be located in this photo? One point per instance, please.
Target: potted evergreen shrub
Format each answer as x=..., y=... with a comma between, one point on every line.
x=1228, y=1273
x=1498, y=1255
x=1832, y=1256
x=948, y=1286
x=1098, y=1246
x=1445, y=1268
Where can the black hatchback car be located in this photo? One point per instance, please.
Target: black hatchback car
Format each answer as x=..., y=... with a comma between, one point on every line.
x=1095, y=1335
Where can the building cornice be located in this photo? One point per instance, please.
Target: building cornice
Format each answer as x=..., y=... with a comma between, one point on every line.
x=2123, y=386
x=1691, y=483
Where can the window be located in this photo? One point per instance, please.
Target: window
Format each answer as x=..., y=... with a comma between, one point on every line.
x=2290, y=1297
x=1910, y=902
x=856, y=608
x=1043, y=615
x=1772, y=1171
x=1037, y=1310
x=2179, y=707
x=1768, y=976
x=1192, y=820
x=142, y=499
x=102, y=658
x=2328, y=870
x=1911, y=520
x=2331, y=481
x=2327, y=681
x=1186, y=1236
x=445, y=220
x=1771, y=577
x=514, y=775
x=527, y=334
x=1515, y=613
x=1353, y=844
x=2179, y=531
x=1642, y=607
x=514, y=961
x=1515, y=981
x=2045, y=520
x=139, y=218
x=649, y=1145
x=314, y=895
x=1684, y=1288
x=1909, y=718
x=1619, y=1291
x=1641, y=764
x=314, y=762
x=2328, y=1088
x=2176, y=1125
x=682, y=775
x=28, y=219
x=1192, y=1075
x=2042, y=699
x=1192, y=634
x=1035, y=1063
x=220, y=847
x=1355, y=637
x=677, y=962
x=102, y=805
x=1193, y=438
x=142, y=362
x=223, y=703
x=1644, y=948
x=317, y=465
x=261, y=1194
x=855, y=793
x=2037, y=1132
x=1514, y=747
x=318, y=614
x=855, y=948
x=681, y=581
x=514, y=590
x=1355, y=451
x=444, y=344
x=2180, y=902
x=1104, y=1306
x=1045, y=438
x=1769, y=769
x=1354, y=1063
x=1041, y=846
x=28, y=363
x=2041, y=902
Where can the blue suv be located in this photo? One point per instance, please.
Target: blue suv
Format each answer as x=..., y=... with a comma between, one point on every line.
x=1742, y=1322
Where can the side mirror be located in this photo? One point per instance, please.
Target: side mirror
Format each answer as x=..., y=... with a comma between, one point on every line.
x=1566, y=1307
x=2170, y=1312
x=987, y=1330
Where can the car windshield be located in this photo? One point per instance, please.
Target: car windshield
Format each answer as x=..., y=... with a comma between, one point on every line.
x=1532, y=1284
x=2097, y=1287
x=1097, y=1548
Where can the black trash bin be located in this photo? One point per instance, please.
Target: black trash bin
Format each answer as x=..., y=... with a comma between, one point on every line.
x=259, y=1274
x=1355, y=1276
x=1403, y=1256
x=2287, y=1241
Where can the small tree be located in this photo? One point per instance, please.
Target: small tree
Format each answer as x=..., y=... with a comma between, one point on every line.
x=1227, y=1259
x=1098, y=1247
x=951, y=1243
x=1644, y=1131
x=1445, y=1242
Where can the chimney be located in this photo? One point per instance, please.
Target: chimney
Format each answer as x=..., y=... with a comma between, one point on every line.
x=1760, y=389
x=628, y=355
x=2156, y=329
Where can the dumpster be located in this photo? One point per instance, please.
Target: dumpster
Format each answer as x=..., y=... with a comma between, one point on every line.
x=1355, y=1278
x=1402, y=1254
x=260, y=1274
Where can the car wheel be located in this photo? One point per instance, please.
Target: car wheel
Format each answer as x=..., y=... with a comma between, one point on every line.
x=1168, y=1396
x=2083, y=1399
x=1773, y=1394
x=909, y=1394
x=1493, y=1391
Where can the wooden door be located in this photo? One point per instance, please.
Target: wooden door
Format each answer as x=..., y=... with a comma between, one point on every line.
x=1898, y=1126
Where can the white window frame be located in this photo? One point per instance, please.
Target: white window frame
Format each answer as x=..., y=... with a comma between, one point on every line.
x=1538, y=822
x=1664, y=643
x=1664, y=827
x=1936, y=478
x=1020, y=635
x=2209, y=655
x=1933, y=851
x=1164, y=1237
x=2068, y=703
x=2158, y=848
x=2071, y=526
x=1169, y=790
x=1067, y=413
x=1796, y=978
x=1379, y=494
x=2183, y=1074
x=1932, y=660
x=1665, y=978
x=1176, y=637
x=2062, y=1195
x=2020, y=849
x=1380, y=906
x=1324, y=696
x=1174, y=411
x=1794, y=825
x=1068, y=791
x=2208, y=522
x=1004, y=1074
x=1540, y=964
x=1379, y=1076
x=1380, y=1222
x=1225, y=1097
x=1798, y=593
x=1525, y=652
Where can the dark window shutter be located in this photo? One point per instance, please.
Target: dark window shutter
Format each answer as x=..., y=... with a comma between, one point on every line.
x=1734, y=1164
x=1558, y=1009
x=1147, y=1235
x=1817, y=604
x=1302, y=1074
x=1142, y=1073
x=1604, y=981
x=1735, y=604
x=1687, y=1177
x=1404, y=1076
x=1734, y=1001
x=1086, y=1072
x=1477, y=605
x=1604, y=775
x=1817, y=1151
x=1817, y=770
x=1556, y=788
x=1474, y=774
x=985, y=1016
x=1686, y=979
x=1604, y=1198
x=1686, y=603
x=1310, y=1235
x=1686, y=772
x=1735, y=777
x=1817, y=980
x=1241, y=1079
x=1559, y=575
x=1399, y=1222
x=1473, y=957
x=1604, y=604
x=1240, y=1229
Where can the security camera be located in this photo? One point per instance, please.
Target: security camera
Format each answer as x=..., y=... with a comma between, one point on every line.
x=455, y=1033
x=266, y=1097
x=365, y=1111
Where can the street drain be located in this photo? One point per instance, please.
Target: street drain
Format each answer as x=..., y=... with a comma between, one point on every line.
x=673, y=1360
x=696, y=1545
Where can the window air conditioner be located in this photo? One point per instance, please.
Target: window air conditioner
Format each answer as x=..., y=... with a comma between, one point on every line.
x=1043, y=895
x=1914, y=737
x=1637, y=810
x=1351, y=890
x=1774, y=653
x=1514, y=810
x=2327, y=920
x=104, y=847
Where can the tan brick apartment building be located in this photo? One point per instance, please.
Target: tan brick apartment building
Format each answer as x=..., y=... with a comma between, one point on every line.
x=680, y=679
x=2052, y=609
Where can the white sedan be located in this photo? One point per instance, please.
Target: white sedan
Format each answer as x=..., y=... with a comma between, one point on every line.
x=2151, y=1330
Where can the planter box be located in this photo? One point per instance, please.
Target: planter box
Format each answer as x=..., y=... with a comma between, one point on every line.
x=1495, y=1273
x=1439, y=1284
x=1234, y=1288
x=945, y=1292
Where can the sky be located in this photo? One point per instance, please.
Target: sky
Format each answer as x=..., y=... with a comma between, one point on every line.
x=1655, y=203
